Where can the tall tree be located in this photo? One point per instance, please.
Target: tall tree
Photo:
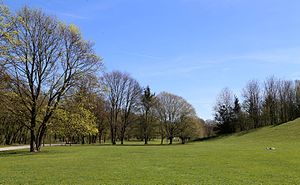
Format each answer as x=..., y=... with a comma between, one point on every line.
x=237, y=111
x=45, y=59
x=172, y=111
x=122, y=95
x=297, y=101
x=132, y=94
x=270, y=103
x=252, y=104
x=224, y=114
x=148, y=103
x=287, y=99
x=87, y=94
x=190, y=127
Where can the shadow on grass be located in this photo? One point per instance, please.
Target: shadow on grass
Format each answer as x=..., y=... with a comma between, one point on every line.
x=174, y=144
x=25, y=152
x=132, y=144
x=247, y=131
x=238, y=134
x=206, y=138
x=16, y=153
x=211, y=138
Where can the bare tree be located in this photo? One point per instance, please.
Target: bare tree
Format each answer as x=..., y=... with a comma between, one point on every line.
x=113, y=84
x=132, y=95
x=172, y=111
x=46, y=58
x=287, y=101
x=270, y=103
x=122, y=95
x=252, y=104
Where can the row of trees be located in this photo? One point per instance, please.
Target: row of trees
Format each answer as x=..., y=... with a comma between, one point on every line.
x=166, y=114
x=51, y=89
x=272, y=102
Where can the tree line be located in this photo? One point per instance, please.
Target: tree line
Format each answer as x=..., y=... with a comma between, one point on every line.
x=53, y=88
x=272, y=102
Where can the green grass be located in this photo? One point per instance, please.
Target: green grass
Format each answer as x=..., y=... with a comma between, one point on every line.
x=237, y=159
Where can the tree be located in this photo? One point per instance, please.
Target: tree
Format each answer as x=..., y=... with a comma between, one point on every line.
x=287, y=101
x=45, y=59
x=12, y=118
x=224, y=114
x=210, y=127
x=101, y=114
x=73, y=122
x=87, y=94
x=237, y=119
x=147, y=105
x=122, y=95
x=132, y=94
x=190, y=127
x=270, y=103
x=252, y=104
x=297, y=101
x=173, y=111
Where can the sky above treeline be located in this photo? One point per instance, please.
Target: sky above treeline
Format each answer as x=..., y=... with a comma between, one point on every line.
x=192, y=48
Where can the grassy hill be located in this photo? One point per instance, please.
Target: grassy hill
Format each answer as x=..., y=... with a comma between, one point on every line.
x=237, y=159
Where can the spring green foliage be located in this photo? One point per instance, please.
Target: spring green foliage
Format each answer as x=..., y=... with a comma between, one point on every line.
x=4, y=14
x=238, y=159
x=76, y=123
x=44, y=60
x=4, y=33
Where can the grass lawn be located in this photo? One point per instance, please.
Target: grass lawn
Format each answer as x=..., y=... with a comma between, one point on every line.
x=237, y=159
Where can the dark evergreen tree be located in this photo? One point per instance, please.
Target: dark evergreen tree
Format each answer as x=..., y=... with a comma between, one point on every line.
x=148, y=99
x=237, y=117
x=224, y=117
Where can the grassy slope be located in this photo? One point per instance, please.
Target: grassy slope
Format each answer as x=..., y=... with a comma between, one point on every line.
x=237, y=159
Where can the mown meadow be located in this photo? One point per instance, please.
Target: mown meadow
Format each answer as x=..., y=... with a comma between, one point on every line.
x=237, y=159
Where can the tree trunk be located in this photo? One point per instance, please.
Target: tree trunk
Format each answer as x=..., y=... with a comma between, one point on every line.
x=90, y=139
x=100, y=136
x=146, y=137
x=171, y=140
x=40, y=136
x=32, y=140
x=146, y=128
x=44, y=140
x=122, y=136
x=82, y=140
x=112, y=135
x=122, y=140
x=32, y=131
x=182, y=140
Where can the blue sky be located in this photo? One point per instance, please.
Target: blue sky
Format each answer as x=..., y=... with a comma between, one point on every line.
x=192, y=48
